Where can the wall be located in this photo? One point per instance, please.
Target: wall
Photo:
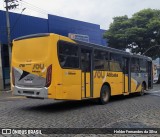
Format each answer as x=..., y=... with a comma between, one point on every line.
x=64, y=26
x=24, y=25
x=103, y=41
x=21, y=25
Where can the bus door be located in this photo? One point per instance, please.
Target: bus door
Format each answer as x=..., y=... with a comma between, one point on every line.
x=87, y=73
x=127, y=77
x=150, y=75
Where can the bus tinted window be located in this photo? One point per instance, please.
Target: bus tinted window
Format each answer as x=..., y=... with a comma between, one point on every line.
x=68, y=49
x=115, y=62
x=101, y=55
x=68, y=55
x=143, y=65
x=85, y=61
x=135, y=67
x=101, y=60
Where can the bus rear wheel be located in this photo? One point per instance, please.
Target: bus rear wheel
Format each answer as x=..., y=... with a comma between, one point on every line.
x=104, y=95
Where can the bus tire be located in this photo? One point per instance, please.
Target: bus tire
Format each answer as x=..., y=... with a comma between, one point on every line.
x=104, y=95
x=141, y=93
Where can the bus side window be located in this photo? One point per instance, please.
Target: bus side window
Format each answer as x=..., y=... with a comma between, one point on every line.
x=101, y=60
x=125, y=65
x=62, y=60
x=68, y=55
x=85, y=62
x=135, y=65
x=143, y=65
x=116, y=62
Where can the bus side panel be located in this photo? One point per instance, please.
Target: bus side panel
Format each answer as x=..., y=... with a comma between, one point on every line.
x=134, y=85
x=56, y=70
x=67, y=82
x=126, y=84
x=136, y=81
x=97, y=83
x=71, y=82
x=116, y=82
x=114, y=79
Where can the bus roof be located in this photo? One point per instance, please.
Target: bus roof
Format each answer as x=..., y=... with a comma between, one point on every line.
x=32, y=36
x=92, y=45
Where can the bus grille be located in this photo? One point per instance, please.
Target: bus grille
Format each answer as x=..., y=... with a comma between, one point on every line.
x=29, y=92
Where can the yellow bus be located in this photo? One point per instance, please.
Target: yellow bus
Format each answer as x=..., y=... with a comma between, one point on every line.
x=50, y=66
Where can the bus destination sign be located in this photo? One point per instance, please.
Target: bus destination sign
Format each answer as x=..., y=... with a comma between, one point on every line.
x=84, y=38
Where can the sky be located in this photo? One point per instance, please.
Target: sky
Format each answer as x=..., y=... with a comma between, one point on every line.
x=94, y=11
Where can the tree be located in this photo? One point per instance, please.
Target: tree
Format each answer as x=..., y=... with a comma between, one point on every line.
x=137, y=33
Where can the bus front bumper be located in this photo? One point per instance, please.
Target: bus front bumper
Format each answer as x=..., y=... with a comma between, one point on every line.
x=30, y=92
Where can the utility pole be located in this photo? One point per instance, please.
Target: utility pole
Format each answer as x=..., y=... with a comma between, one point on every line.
x=10, y=4
x=8, y=31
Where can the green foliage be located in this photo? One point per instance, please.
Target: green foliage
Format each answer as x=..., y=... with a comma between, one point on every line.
x=138, y=33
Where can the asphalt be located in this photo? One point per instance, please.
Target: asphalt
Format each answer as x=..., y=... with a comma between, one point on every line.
x=5, y=94
x=121, y=112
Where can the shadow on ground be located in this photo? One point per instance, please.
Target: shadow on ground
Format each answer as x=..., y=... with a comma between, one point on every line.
x=62, y=106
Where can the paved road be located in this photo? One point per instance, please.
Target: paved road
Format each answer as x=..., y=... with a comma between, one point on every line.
x=122, y=112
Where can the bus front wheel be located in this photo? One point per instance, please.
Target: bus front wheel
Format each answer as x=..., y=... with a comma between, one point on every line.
x=104, y=95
